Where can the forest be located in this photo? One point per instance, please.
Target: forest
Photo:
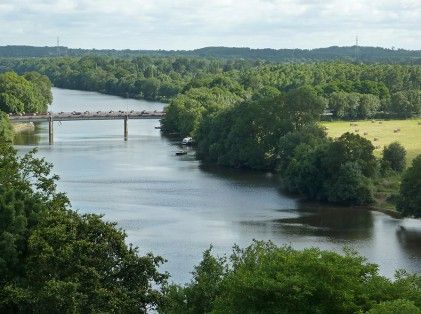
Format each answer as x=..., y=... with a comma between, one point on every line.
x=349, y=53
x=263, y=116
x=351, y=91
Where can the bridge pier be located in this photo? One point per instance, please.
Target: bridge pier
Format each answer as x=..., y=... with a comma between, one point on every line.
x=126, y=130
x=50, y=130
x=85, y=116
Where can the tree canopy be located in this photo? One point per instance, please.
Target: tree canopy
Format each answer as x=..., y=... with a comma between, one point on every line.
x=409, y=199
x=265, y=278
x=29, y=93
x=53, y=259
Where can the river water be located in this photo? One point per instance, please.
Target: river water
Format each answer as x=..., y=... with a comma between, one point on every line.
x=176, y=208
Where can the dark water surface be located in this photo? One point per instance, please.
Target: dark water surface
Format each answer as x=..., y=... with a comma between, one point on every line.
x=176, y=208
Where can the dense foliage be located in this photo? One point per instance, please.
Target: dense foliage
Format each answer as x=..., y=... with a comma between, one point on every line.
x=409, y=201
x=351, y=91
x=6, y=132
x=54, y=260
x=264, y=278
x=246, y=135
x=28, y=93
x=394, y=157
x=142, y=77
x=337, y=171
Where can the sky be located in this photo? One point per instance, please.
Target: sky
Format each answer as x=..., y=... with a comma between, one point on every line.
x=190, y=24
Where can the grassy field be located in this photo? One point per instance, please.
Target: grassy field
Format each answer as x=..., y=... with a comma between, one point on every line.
x=383, y=132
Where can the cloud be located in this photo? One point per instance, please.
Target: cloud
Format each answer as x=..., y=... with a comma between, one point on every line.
x=187, y=24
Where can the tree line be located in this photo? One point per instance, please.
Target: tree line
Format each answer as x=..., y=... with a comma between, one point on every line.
x=349, y=53
x=350, y=91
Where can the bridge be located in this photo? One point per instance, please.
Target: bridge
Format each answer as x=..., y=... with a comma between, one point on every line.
x=50, y=117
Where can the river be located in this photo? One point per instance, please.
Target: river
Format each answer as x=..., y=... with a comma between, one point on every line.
x=174, y=207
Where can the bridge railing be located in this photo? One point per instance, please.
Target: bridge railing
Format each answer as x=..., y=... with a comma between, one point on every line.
x=87, y=115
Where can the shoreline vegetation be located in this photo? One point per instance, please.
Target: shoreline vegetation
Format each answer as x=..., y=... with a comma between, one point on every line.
x=23, y=127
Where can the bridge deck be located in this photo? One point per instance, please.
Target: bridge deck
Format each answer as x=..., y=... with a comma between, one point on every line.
x=98, y=115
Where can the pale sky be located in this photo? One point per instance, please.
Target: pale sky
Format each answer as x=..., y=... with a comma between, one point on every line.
x=189, y=24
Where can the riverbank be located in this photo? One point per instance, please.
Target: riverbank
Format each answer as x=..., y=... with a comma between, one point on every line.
x=23, y=127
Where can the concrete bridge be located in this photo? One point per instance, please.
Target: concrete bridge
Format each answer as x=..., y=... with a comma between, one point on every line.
x=50, y=117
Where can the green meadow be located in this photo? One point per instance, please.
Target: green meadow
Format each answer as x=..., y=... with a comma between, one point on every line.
x=382, y=133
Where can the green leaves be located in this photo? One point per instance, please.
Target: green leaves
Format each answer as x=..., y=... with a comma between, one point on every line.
x=53, y=259
x=31, y=93
x=409, y=199
x=265, y=278
x=393, y=157
x=247, y=134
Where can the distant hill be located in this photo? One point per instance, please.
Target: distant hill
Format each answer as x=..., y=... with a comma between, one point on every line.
x=365, y=54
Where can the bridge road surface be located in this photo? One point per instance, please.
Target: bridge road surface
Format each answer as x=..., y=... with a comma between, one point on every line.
x=87, y=115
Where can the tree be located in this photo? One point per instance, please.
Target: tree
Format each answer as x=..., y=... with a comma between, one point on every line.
x=351, y=147
x=198, y=295
x=9, y=103
x=395, y=306
x=265, y=278
x=6, y=131
x=42, y=85
x=406, y=104
x=311, y=135
x=303, y=106
x=337, y=171
x=394, y=157
x=409, y=199
x=353, y=105
x=21, y=95
x=350, y=186
x=368, y=106
x=54, y=260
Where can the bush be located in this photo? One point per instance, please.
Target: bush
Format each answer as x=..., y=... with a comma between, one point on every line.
x=394, y=157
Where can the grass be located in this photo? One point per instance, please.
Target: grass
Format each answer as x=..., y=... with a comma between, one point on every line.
x=381, y=133
x=384, y=190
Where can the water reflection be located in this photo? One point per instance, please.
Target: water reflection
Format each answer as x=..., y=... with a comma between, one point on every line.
x=238, y=176
x=29, y=137
x=409, y=236
x=329, y=221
